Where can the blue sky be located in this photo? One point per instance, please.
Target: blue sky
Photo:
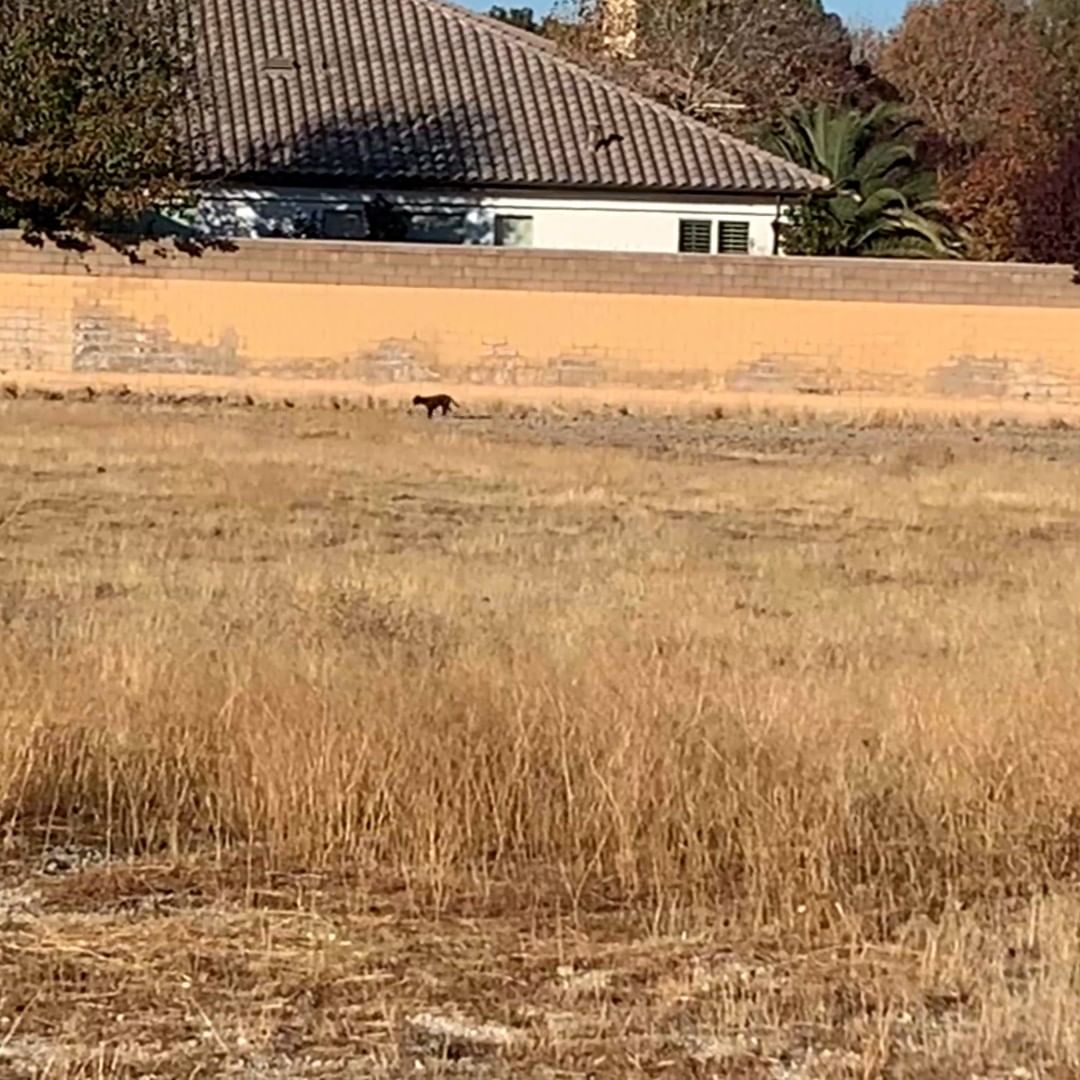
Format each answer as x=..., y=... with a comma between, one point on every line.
x=858, y=12
x=875, y=12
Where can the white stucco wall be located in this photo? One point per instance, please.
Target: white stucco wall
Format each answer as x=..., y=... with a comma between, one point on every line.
x=564, y=221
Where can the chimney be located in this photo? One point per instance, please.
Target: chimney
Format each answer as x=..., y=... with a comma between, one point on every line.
x=618, y=28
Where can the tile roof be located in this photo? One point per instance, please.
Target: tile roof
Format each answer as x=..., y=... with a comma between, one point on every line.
x=425, y=93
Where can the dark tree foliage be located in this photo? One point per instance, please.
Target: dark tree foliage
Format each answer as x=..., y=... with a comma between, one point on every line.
x=994, y=83
x=1049, y=228
x=386, y=222
x=524, y=18
x=91, y=95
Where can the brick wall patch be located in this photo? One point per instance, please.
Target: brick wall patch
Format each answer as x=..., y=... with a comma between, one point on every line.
x=107, y=340
x=999, y=377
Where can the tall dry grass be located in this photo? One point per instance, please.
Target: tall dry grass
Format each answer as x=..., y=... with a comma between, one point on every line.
x=826, y=696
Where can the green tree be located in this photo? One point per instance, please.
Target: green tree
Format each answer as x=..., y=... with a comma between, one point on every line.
x=91, y=92
x=880, y=201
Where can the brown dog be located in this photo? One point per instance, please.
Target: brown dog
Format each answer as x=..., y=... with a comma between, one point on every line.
x=435, y=401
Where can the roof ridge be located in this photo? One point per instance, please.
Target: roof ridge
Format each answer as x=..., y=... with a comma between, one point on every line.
x=551, y=53
x=466, y=15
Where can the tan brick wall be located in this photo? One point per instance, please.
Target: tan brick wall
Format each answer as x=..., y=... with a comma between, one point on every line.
x=374, y=314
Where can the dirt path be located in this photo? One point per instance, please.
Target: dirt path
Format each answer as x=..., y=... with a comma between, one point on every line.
x=483, y=398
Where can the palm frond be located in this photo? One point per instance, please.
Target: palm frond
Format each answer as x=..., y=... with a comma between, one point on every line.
x=880, y=199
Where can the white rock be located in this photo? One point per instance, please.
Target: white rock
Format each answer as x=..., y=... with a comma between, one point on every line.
x=447, y=1036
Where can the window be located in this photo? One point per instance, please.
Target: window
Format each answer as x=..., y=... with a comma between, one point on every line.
x=344, y=225
x=436, y=227
x=733, y=237
x=695, y=236
x=513, y=231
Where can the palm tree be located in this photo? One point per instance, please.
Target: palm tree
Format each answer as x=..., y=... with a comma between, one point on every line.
x=880, y=202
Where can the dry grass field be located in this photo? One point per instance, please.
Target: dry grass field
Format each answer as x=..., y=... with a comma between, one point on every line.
x=336, y=742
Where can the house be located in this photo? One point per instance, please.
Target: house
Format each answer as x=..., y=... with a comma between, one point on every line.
x=422, y=121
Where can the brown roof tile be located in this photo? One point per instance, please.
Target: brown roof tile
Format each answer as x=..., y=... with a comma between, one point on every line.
x=422, y=92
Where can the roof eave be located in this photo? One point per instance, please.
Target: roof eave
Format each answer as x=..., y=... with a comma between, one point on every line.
x=339, y=181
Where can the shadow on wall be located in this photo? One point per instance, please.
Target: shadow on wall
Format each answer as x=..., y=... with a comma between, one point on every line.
x=377, y=162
